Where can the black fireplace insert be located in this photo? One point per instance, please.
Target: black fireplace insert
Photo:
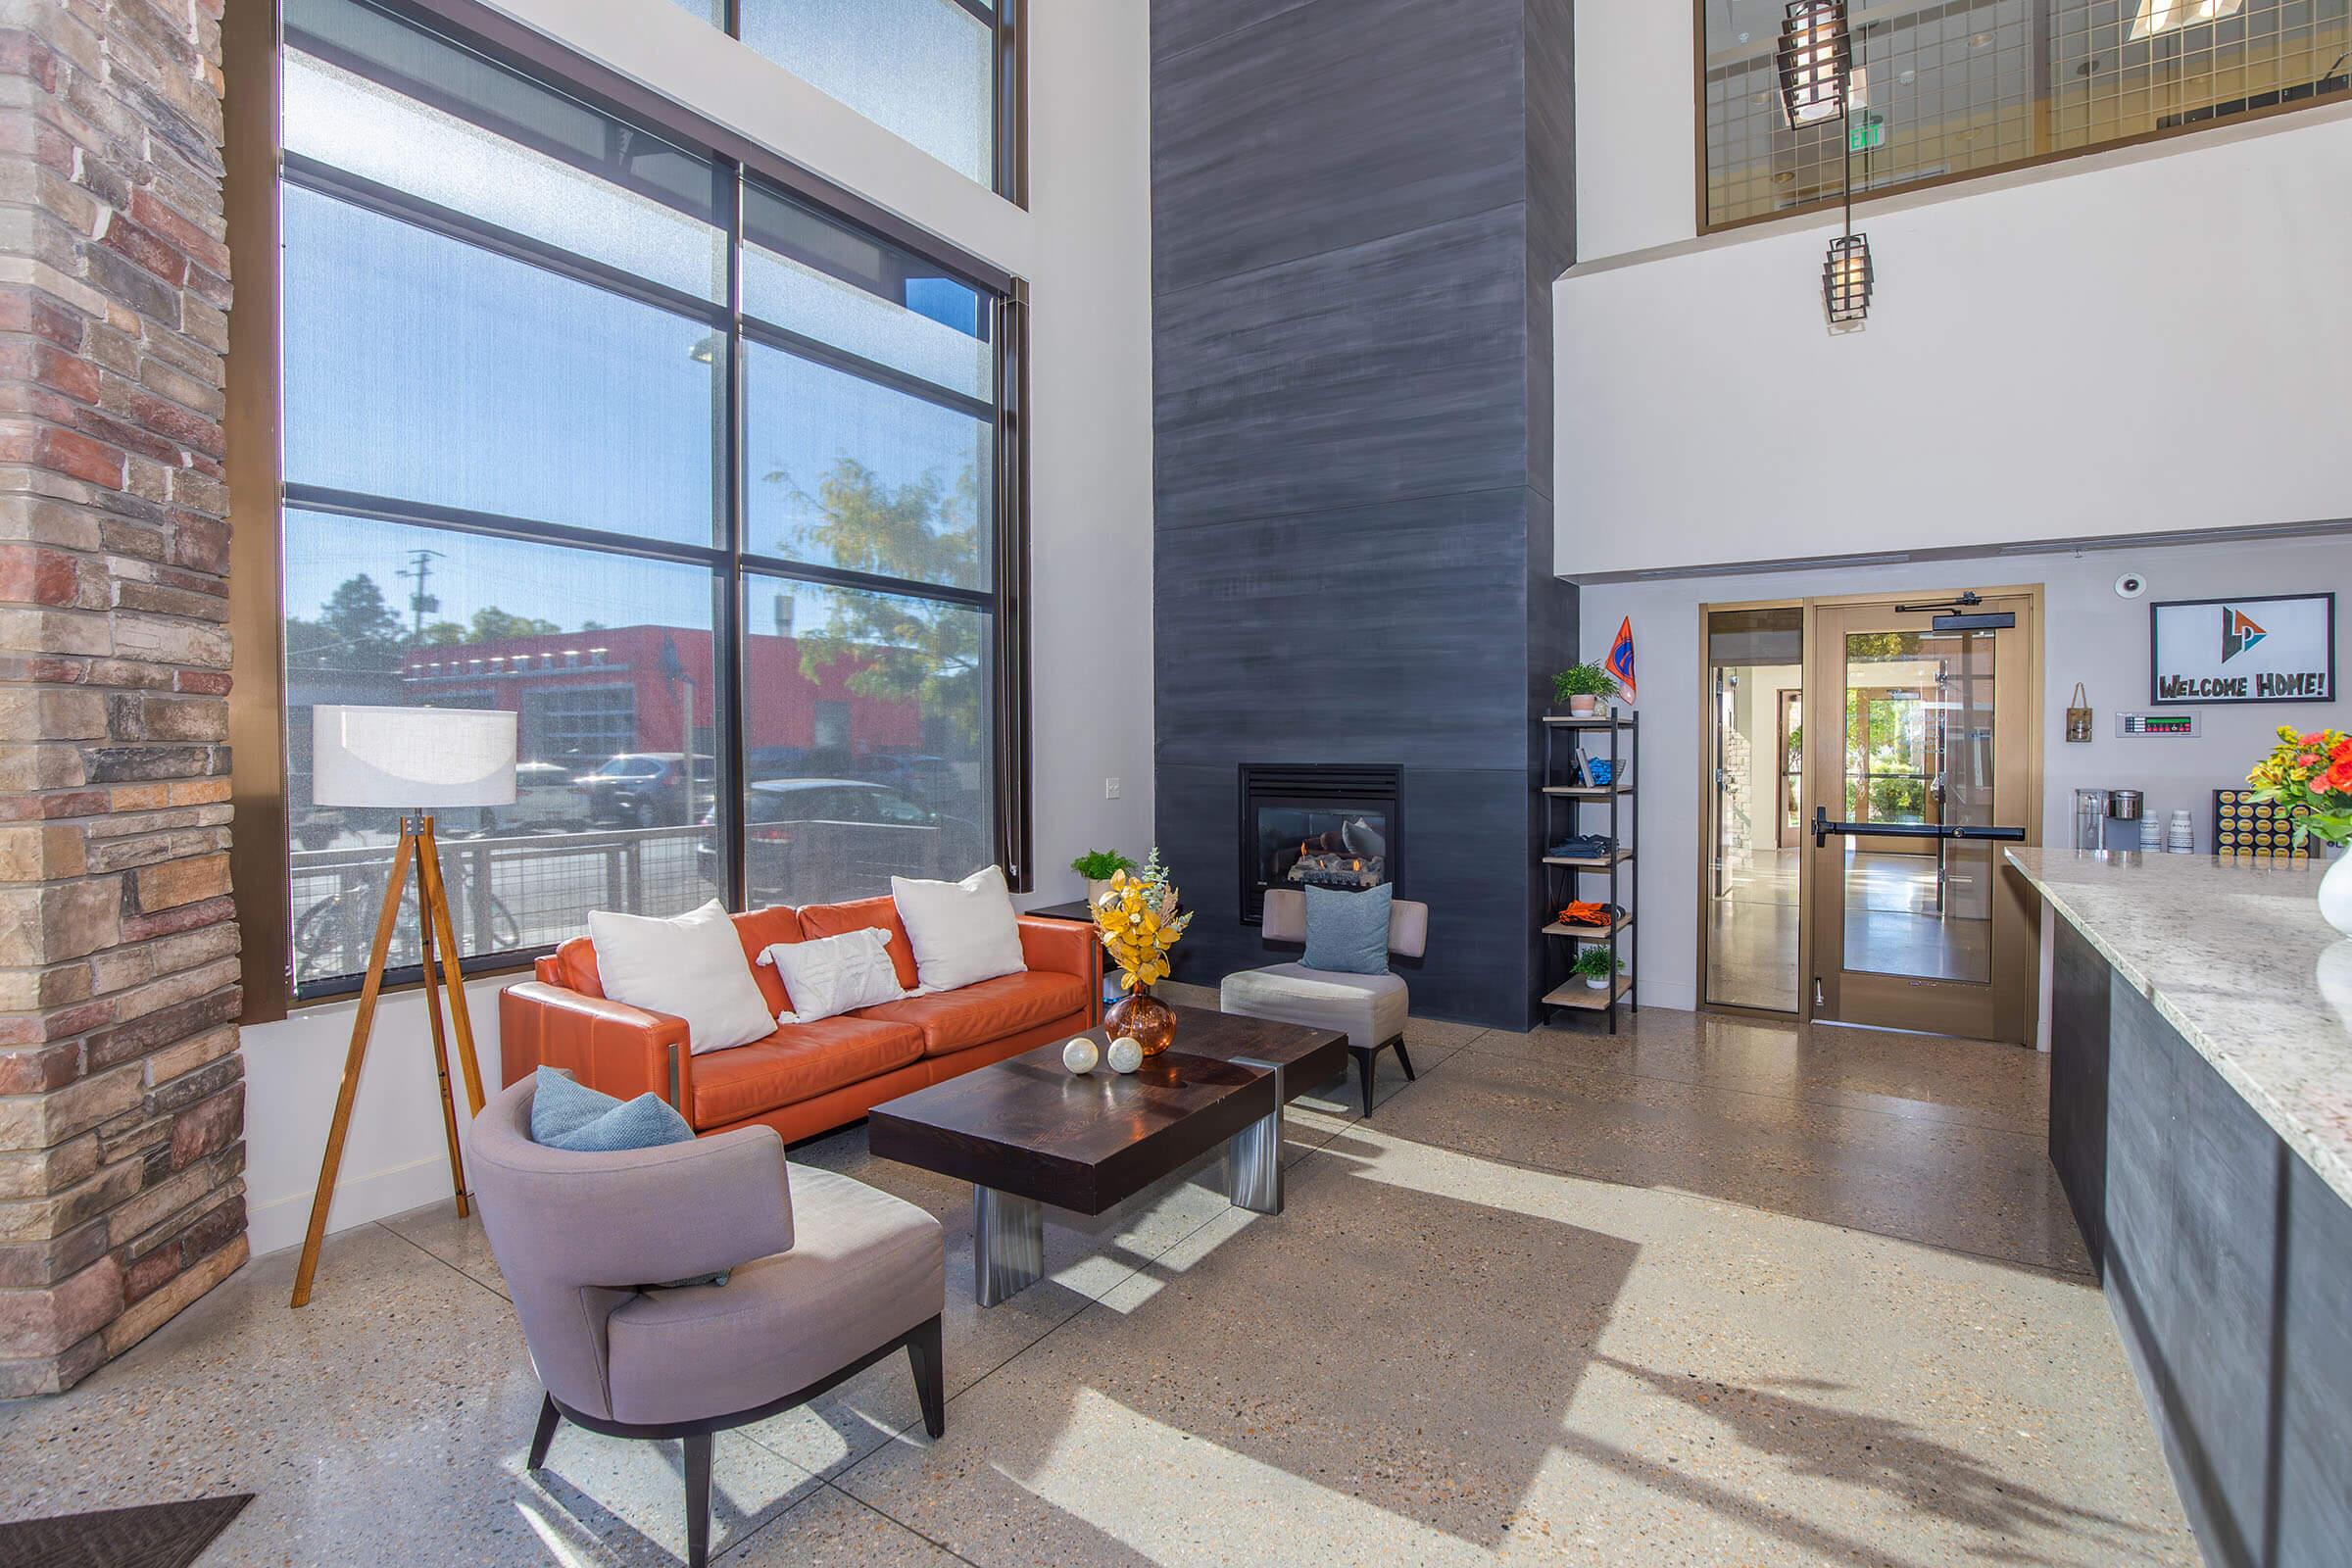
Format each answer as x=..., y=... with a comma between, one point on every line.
x=1304, y=825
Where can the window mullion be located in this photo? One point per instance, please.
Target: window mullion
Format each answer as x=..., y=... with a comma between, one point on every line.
x=736, y=613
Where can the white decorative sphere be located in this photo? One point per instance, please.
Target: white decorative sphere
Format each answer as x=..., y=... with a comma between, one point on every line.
x=1125, y=1055
x=1081, y=1054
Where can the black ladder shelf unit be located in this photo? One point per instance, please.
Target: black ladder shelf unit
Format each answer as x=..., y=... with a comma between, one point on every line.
x=1619, y=871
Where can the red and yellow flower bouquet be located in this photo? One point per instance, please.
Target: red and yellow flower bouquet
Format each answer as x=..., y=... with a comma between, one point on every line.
x=2311, y=769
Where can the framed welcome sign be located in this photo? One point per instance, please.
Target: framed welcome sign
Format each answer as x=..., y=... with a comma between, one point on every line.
x=2250, y=647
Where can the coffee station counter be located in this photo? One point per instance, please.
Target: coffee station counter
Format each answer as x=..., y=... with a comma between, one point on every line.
x=2200, y=1029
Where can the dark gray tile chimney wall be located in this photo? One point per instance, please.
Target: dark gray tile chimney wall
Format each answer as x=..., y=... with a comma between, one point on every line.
x=1359, y=207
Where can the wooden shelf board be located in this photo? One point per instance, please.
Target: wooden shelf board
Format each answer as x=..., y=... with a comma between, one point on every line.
x=1586, y=933
x=1583, y=792
x=1576, y=994
x=1564, y=721
x=1596, y=865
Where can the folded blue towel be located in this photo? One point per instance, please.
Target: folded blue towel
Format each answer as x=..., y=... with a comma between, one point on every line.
x=1581, y=846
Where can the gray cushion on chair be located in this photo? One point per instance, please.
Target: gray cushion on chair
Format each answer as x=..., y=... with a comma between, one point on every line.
x=864, y=1267
x=1370, y=1007
x=1285, y=917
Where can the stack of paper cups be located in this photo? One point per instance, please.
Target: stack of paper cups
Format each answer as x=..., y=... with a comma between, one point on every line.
x=2181, y=837
x=2151, y=836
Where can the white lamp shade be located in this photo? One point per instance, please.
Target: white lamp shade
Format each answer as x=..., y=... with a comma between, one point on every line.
x=404, y=757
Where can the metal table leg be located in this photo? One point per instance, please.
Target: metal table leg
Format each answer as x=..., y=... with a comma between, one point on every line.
x=1009, y=1245
x=1253, y=1156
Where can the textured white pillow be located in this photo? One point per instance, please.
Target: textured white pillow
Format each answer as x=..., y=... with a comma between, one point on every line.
x=691, y=968
x=831, y=975
x=961, y=932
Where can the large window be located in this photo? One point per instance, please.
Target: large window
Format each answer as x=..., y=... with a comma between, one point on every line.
x=944, y=74
x=1942, y=91
x=705, y=484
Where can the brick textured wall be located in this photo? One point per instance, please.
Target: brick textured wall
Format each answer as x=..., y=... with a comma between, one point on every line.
x=121, y=1093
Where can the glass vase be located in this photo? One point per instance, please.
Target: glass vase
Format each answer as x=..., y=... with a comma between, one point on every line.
x=1150, y=1021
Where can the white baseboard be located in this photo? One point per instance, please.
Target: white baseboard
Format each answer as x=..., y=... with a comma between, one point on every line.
x=278, y=1223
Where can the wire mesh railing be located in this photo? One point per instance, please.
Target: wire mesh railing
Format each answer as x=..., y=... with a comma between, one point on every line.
x=505, y=894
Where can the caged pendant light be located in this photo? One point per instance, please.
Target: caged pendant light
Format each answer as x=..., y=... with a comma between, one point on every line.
x=1818, y=83
x=1845, y=278
x=1816, y=57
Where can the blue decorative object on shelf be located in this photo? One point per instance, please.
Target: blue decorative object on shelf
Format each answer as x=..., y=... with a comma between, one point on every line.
x=1601, y=771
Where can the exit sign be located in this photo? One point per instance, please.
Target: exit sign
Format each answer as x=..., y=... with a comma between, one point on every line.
x=1867, y=134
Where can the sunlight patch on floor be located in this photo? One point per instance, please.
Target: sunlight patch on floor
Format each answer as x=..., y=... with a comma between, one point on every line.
x=1138, y=1289
x=1171, y=1496
x=561, y=1549
x=1463, y=1178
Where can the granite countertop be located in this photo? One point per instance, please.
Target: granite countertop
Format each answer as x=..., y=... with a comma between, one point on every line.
x=2236, y=956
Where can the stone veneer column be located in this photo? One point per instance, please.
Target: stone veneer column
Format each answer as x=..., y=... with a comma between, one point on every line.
x=121, y=1093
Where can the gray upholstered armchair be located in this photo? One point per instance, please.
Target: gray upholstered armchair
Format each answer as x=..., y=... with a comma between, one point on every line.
x=826, y=1277
x=1371, y=1007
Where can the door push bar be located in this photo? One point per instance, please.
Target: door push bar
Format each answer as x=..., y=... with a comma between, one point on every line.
x=1823, y=827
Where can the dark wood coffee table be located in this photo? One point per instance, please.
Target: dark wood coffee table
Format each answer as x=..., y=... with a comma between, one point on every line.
x=1028, y=1132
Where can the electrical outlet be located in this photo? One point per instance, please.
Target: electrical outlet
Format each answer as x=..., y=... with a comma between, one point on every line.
x=1110, y=789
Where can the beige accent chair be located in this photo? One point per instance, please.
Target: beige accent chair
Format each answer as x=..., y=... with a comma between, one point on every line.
x=1370, y=1007
x=826, y=1276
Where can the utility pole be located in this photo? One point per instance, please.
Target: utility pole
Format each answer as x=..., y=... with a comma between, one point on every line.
x=420, y=567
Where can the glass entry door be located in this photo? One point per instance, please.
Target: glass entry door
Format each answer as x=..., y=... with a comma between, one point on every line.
x=1923, y=773
x=1750, y=917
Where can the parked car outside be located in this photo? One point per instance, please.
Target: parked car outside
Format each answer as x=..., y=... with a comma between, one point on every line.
x=647, y=789
x=818, y=839
x=933, y=780
x=547, y=799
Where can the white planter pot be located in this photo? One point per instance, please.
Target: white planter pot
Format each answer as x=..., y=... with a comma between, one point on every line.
x=1095, y=887
x=1599, y=982
x=1582, y=706
x=2335, y=893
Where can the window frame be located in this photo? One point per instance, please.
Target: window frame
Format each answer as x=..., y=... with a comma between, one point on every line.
x=1708, y=224
x=1008, y=72
x=259, y=164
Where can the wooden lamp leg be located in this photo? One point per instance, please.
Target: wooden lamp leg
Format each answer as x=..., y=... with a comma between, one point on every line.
x=426, y=908
x=361, y=1025
x=428, y=874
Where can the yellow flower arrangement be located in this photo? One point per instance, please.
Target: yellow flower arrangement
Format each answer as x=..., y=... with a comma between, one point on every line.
x=1140, y=921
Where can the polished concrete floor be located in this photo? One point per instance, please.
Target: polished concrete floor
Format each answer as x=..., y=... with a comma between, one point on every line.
x=1896, y=923
x=1709, y=1292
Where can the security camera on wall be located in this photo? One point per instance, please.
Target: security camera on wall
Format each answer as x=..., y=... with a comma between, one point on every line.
x=2131, y=585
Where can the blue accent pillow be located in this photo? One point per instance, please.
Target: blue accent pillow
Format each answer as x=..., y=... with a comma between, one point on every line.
x=1347, y=933
x=566, y=1114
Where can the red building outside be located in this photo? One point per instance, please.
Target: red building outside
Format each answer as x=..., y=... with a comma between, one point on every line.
x=581, y=697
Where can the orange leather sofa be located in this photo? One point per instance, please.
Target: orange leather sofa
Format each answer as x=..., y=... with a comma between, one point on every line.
x=804, y=1079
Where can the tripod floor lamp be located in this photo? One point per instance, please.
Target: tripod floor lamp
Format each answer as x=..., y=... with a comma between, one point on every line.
x=411, y=761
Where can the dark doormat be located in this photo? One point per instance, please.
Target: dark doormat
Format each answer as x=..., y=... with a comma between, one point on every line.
x=161, y=1534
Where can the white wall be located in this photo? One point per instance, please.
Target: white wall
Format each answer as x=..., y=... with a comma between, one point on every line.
x=2136, y=342
x=1084, y=246
x=2090, y=635
x=1633, y=151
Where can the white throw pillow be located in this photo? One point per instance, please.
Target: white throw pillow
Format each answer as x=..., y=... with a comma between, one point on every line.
x=831, y=975
x=961, y=932
x=691, y=968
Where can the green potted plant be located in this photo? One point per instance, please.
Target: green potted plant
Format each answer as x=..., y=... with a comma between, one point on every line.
x=1595, y=967
x=1098, y=868
x=1582, y=687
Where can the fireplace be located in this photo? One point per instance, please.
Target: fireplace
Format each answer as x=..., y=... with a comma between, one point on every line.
x=1308, y=827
